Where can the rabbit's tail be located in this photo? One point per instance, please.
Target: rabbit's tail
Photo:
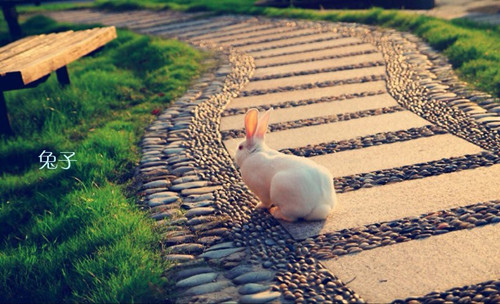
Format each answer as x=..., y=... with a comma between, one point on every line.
x=320, y=212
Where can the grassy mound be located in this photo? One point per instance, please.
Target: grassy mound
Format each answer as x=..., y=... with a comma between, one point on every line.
x=76, y=235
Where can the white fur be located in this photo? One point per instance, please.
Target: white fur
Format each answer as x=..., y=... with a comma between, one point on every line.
x=291, y=187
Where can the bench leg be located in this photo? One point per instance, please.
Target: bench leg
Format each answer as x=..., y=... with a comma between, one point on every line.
x=10, y=15
x=5, y=128
x=63, y=76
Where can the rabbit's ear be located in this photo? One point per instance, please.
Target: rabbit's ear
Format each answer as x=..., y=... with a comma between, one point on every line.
x=263, y=122
x=251, y=120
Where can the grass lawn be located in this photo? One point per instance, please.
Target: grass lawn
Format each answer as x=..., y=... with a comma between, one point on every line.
x=77, y=235
x=473, y=49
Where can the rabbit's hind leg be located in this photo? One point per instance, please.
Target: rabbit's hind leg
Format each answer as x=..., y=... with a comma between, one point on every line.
x=276, y=212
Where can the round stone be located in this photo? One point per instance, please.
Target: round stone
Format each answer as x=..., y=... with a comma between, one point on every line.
x=251, y=288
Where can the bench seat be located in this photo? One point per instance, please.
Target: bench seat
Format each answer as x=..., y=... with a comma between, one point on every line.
x=29, y=61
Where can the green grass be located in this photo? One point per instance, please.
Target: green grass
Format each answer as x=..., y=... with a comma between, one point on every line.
x=473, y=49
x=77, y=235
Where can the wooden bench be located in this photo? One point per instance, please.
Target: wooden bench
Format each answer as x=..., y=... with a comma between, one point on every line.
x=28, y=62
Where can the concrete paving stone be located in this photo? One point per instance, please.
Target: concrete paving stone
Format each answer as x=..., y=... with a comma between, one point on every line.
x=315, y=110
x=278, y=34
x=215, y=22
x=306, y=47
x=219, y=26
x=314, y=54
x=261, y=32
x=286, y=42
x=313, y=78
x=397, y=154
x=273, y=98
x=348, y=129
x=238, y=30
x=405, y=199
x=174, y=26
x=315, y=65
x=419, y=267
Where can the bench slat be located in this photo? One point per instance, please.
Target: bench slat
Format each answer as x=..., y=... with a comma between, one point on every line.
x=20, y=46
x=53, y=52
x=64, y=56
x=35, y=49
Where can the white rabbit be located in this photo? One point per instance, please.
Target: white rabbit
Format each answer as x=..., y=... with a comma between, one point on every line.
x=291, y=187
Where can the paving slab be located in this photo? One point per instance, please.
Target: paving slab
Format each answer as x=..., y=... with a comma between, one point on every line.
x=283, y=33
x=396, y=154
x=283, y=43
x=256, y=34
x=419, y=267
x=318, y=64
x=187, y=30
x=404, y=199
x=306, y=47
x=313, y=78
x=341, y=130
x=273, y=98
x=237, y=30
x=311, y=54
x=209, y=29
x=315, y=110
x=181, y=25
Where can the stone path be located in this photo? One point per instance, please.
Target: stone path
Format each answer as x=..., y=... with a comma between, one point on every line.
x=413, y=151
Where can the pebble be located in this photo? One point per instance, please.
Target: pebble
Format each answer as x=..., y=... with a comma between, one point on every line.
x=222, y=246
x=220, y=253
x=253, y=277
x=185, y=273
x=201, y=190
x=251, y=288
x=196, y=280
x=179, y=257
x=153, y=202
x=206, y=288
x=189, y=185
x=156, y=184
x=192, y=248
x=261, y=297
x=238, y=270
x=199, y=211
